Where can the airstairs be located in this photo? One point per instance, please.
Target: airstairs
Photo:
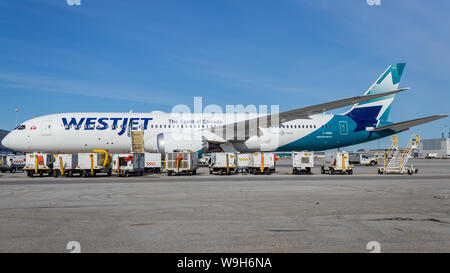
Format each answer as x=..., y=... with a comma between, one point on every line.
x=395, y=158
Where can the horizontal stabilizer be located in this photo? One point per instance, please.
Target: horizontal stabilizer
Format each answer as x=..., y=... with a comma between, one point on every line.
x=405, y=125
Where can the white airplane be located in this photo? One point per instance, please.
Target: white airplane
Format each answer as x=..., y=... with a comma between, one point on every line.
x=305, y=128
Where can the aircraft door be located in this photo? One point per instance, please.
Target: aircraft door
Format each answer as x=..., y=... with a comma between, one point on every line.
x=343, y=128
x=46, y=128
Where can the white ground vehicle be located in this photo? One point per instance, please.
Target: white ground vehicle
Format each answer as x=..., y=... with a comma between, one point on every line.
x=368, y=160
x=262, y=163
x=38, y=163
x=222, y=163
x=65, y=164
x=337, y=163
x=12, y=163
x=90, y=164
x=432, y=155
x=302, y=162
x=363, y=159
x=129, y=164
x=243, y=162
x=181, y=162
x=153, y=162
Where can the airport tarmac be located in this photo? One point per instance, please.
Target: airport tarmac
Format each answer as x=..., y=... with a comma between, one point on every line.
x=238, y=213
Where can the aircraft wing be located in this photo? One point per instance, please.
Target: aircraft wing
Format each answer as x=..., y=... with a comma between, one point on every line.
x=276, y=119
x=405, y=125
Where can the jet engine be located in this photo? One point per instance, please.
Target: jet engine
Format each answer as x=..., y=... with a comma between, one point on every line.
x=168, y=142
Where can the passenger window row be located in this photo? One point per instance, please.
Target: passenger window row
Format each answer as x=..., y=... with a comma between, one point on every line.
x=22, y=127
x=299, y=126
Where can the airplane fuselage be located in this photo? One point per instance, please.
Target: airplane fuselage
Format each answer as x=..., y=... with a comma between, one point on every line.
x=83, y=132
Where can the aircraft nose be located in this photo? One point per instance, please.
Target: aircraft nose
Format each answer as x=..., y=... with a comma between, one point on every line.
x=5, y=141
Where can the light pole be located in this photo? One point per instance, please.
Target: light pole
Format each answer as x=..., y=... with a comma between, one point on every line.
x=17, y=116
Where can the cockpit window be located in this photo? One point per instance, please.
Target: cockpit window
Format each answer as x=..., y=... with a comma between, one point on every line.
x=20, y=127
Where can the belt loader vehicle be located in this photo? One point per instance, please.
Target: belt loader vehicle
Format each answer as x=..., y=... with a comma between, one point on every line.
x=181, y=162
x=222, y=163
x=38, y=164
x=12, y=163
x=90, y=164
x=262, y=163
x=302, y=162
x=65, y=164
x=153, y=162
x=337, y=163
x=129, y=164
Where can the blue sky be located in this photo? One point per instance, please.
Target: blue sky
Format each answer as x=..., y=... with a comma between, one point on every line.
x=113, y=56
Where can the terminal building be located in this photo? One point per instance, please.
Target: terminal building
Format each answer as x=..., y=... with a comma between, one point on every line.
x=437, y=147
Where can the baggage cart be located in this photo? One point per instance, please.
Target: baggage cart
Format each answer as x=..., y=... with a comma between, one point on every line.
x=262, y=163
x=153, y=162
x=222, y=163
x=129, y=164
x=181, y=162
x=65, y=164
x=336, y=163
x=38, y=164
x=90, y=164
x=302, y=162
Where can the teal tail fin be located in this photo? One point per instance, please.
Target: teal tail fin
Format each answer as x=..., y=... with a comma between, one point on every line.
x=370, y=113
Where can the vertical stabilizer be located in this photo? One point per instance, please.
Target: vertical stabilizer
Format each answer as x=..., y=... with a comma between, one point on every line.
x=372, y=111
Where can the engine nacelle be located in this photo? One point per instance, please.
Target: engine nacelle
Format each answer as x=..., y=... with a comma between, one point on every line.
x=168, y=142
x=210, y=147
